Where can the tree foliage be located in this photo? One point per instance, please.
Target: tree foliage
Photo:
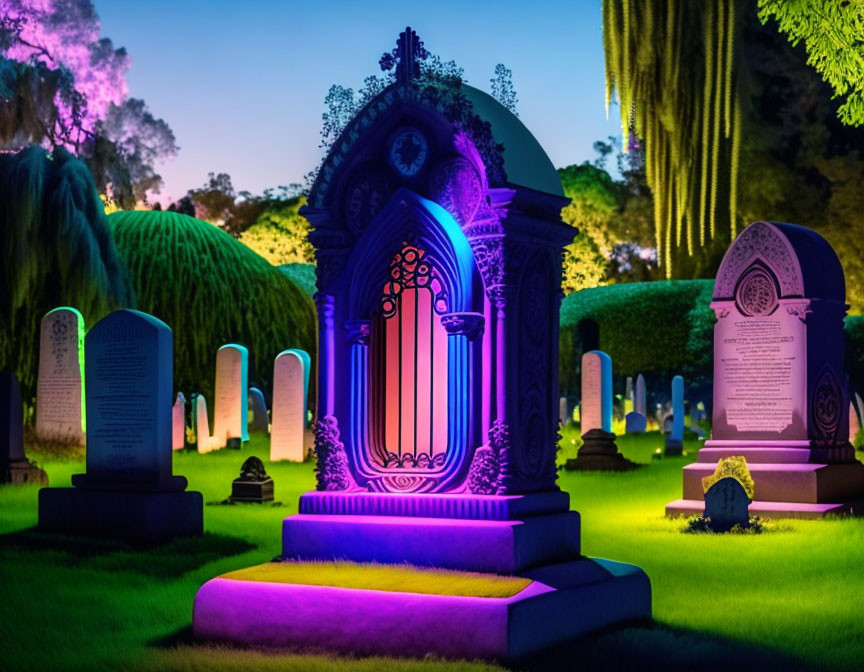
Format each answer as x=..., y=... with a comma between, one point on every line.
x=62, y=85
x=280, y=234
x=56, y=250
x=211, y=290
x=833, y=34
x=502, y=88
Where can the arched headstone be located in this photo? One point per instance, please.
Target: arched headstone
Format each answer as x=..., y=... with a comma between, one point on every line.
x=178, y=423
x=15, y=468
x=286, y=433
x=60, y=388
x=259, y=421
x=231, y=407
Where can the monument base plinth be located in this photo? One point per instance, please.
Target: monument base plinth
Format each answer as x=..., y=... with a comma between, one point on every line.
x=599, y=453
x=251, y=491
x=140, y=517
x=560, y=602
x=22, y=472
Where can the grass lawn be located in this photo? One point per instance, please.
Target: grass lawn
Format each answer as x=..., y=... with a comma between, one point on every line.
x=791, y=598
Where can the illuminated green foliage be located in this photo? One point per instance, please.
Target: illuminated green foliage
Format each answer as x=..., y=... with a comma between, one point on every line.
x=55, y=250
x=833, y=34
x=280, y=234
x=211, y=290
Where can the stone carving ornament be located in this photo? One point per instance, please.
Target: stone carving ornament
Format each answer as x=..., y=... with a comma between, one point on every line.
x=759, y=241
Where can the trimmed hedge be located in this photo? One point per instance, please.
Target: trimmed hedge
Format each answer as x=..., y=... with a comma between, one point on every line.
x=211, y=290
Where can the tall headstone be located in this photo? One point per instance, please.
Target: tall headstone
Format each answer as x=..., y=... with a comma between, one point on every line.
x=230, y=414
x=629, y=396
x=563, y=415
x=200, y=423
x=15, y=468
x=128, y=491
x=780, y=398
x=289, y=408
x=675, y=438
x=259, y=421
x=178, y=423
x=60, y=387
x=640, y=402
x=598, y=450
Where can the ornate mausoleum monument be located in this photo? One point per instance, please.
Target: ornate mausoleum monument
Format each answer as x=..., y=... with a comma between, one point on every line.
x=780, y=392
x=438, y=239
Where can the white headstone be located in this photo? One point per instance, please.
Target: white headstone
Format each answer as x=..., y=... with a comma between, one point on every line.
x=178, y=423
x=563, y=416
x=639, y=403
x=201, y=424
x=258, y=411
x=230, y=415
x=596, y=391
x=286, y=432
x=129, y=373
x=60, y=388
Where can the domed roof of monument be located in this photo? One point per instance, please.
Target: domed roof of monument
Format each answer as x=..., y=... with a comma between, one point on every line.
x=525, y=160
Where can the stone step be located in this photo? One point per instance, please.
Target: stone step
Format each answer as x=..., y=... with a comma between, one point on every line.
x=502, y=546
x=695, y=507
x=796, y=482
x=756, y=455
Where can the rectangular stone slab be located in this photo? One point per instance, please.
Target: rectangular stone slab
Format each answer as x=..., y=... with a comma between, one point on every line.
x=563, y=601
x=471, y=545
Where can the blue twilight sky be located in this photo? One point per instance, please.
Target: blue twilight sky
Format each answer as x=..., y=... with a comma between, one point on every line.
x=242, y=82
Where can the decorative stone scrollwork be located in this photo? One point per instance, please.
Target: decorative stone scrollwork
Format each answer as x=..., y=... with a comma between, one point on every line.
x=499, y=444
x=332, y=469
x=764, y=242
x=484, y=471
x=489, y=256
x=469, y=324
x=358, y=331
x=827, y=406
x=366, y=195
x=412, y=268
x=799, y=310
x=456, y=185
x=757, y=293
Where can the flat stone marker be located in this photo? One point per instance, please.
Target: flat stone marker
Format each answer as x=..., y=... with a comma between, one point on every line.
x=15, y=468
x=289, y=408
x=675, y=438
x=60, y=387
x=230, y=415
x=258, y=409
x=253, y=485
x=640, y=403
x=635, y=422
x=178, y=423
x=726, y=505
x=129, y=490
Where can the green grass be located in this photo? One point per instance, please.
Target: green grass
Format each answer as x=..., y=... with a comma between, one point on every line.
x=792, y=598
x=398, y=579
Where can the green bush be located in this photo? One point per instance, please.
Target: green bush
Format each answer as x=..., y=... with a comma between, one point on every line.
x=211, y=290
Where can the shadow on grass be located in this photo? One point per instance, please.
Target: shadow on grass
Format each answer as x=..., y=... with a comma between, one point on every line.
x=167, y=560
x=654, y=646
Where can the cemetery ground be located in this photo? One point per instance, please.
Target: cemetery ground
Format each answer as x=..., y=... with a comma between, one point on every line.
x=790, y=597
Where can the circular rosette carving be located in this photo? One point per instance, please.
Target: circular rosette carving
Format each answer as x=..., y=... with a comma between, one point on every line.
x=366, y=195
x=827, y=406
x=757, y=293
x=457, y=187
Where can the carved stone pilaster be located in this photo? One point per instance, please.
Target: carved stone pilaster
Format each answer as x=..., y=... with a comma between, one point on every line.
x=469, y=324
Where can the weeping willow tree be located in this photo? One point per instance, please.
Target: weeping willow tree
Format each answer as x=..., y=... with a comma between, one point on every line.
x=672, y=65
x=211, y=290
x=55, y=250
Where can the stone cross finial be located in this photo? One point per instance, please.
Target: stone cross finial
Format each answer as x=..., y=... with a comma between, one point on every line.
x=409, y=50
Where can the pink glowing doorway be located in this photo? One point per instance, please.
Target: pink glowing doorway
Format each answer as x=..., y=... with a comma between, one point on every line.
x=409, y=367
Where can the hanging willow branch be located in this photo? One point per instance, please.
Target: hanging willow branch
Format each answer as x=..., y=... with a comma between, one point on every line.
x=671, y=64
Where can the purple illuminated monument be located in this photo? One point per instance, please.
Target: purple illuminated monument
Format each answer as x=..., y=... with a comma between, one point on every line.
x=780, y=394
x=438, y=240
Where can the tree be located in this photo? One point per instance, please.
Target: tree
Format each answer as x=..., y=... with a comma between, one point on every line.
x=280, y=234
x=502, y=88
x=833, y=34
x=64, y=86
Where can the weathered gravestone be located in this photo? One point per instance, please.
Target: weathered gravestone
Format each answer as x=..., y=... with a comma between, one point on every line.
x=200, y=438
x=780, y=399
x=258, y=409
x=635, y=423
x=563, y=415
x=231, y=410
x=287, y=435
x=60, y=387
x=726, y=505
x=253, y=485
x=640, y=404
x=598, y=450
x=675, y=437
x=629, y=396
x=128, y=491
x=178, y=423
x=15, y=468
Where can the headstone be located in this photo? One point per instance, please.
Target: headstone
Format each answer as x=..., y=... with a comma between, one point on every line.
x=253, y=485
x=230, y=415
x=178, y=423
x=635, y=422
x=200, y=424
x=286, y=432
x=854, y=426
x=60, y=387
x=629, y=396
x=675, y=438
x=129, y=490
x=258, y=410
x=727, y=505
x=598, y=451
x=640, y=402
x=563, y=416
x=15, y=468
